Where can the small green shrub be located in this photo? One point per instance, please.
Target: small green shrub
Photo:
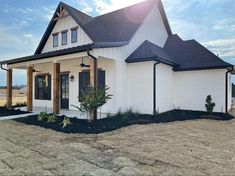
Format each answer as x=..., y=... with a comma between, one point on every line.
x=155, y=113
x=52, y=118
x=210, y=105
x=18, y=105
x=42, y=116
x=127, y=114
x=66, y=122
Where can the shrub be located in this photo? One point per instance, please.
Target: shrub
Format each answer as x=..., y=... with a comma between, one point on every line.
x=52, y=118
x=92, y=100
x=209, y=104
x=42, y=116
x=66, y=122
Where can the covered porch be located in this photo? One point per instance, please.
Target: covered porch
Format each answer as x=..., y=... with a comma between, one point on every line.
x=61, y=75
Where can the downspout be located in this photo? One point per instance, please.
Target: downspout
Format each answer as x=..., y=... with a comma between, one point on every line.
x=226, y=90
x=95, y=75
x=3, y=68
x=154, y=87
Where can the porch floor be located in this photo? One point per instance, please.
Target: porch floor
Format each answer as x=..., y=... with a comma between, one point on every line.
x=69, y=113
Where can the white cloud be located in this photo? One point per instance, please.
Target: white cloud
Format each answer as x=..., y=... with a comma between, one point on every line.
x=225, y=25
x=223, y=47
x=103, y=7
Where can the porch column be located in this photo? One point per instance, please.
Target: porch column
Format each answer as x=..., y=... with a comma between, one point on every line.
x=9, y=88
x=29, y=88
x=56, y=85
x=93, y=69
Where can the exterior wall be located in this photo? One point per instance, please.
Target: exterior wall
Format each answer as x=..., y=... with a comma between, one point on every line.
x=164, y=88
x=192, y=87
x=140, y=87
x=66, y=24
x=152, y=29
x=43, y=68
x=73, y=66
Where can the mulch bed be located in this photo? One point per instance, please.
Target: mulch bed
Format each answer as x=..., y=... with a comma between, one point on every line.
x=119, y=121
x=8, y=112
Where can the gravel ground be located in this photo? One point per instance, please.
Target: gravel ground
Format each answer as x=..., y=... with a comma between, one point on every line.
x=203, y=147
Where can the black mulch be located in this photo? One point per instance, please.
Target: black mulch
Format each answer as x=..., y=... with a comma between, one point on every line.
x=116, y=122
x=9, y=112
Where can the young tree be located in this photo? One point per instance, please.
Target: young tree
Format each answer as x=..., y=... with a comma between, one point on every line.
x=92, y=100
x=209, y=104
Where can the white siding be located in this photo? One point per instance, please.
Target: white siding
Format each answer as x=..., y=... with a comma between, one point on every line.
x=140, y=87
x=66, y=24
x=164, y=88
x=192, y=87
x=152, y=29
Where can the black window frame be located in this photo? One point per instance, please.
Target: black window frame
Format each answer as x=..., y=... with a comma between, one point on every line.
x=76, y=39
x=42, y=92
x=57, y=39
x=62, y=38
x=86, y=75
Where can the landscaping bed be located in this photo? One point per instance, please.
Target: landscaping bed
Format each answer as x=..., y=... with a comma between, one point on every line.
x=8, y=112
x=121, y=120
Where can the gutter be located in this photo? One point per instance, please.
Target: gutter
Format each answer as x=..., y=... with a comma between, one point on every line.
x=226, y=89
x=154, y=86
x=95, y=75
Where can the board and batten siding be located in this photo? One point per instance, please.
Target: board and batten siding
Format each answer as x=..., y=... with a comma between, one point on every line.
x=66, y=24
x=152, y=29
x=192, y=87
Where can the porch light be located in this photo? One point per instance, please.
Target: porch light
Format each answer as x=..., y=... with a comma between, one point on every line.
x=71, y=78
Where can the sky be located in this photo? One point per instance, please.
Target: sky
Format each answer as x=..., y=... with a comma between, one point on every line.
x=22, y=24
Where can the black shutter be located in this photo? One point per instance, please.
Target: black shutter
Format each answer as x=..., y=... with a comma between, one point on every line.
x=81, y=74
x=36, y=87
x=101, y=78
x=49, y=87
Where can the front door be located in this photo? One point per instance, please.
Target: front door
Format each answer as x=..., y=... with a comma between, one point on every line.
x=64, y=91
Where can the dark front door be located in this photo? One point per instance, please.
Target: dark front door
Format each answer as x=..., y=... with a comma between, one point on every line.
x=64, y=91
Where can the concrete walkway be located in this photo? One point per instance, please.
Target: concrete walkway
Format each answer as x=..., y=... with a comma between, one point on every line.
x=17, y=116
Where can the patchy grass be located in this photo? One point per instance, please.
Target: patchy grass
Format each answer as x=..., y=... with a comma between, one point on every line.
x=119, y=121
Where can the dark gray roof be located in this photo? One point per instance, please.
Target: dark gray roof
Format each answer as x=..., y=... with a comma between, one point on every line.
x=192, y=55
x=150, y=52
x=115, y=27
x=185, y=55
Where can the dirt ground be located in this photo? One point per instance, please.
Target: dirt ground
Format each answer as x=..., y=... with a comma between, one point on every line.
x=203, y=147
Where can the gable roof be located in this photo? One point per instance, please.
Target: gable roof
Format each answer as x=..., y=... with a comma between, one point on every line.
x=80, y=17
x=182, y=55
x=115, y=27
x=150, y=52
x=192, y=55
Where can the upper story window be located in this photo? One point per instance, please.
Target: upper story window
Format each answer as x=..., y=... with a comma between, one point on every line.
x=64, y=37
x=55, y=39
x=74, y=35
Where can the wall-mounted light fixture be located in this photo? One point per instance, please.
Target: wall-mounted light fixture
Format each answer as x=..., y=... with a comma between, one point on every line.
x=71, y=78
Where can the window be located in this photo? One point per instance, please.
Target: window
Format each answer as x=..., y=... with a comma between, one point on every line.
x=55, y=39
x=43, y=87
x=74, y=35
x=64, y=37
x=84, y=81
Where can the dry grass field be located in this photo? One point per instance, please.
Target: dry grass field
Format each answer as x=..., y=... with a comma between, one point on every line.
x=18, y=97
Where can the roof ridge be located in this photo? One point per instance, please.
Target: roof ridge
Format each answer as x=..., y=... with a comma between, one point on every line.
x=142, y=2
x=76, y=9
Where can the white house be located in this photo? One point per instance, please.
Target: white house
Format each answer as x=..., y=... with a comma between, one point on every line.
x=133, y=51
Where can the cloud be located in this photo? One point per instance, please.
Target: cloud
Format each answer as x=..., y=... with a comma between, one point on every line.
x=223, y=47
x=103, y=6
x=25, y=10
x=225, y=25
